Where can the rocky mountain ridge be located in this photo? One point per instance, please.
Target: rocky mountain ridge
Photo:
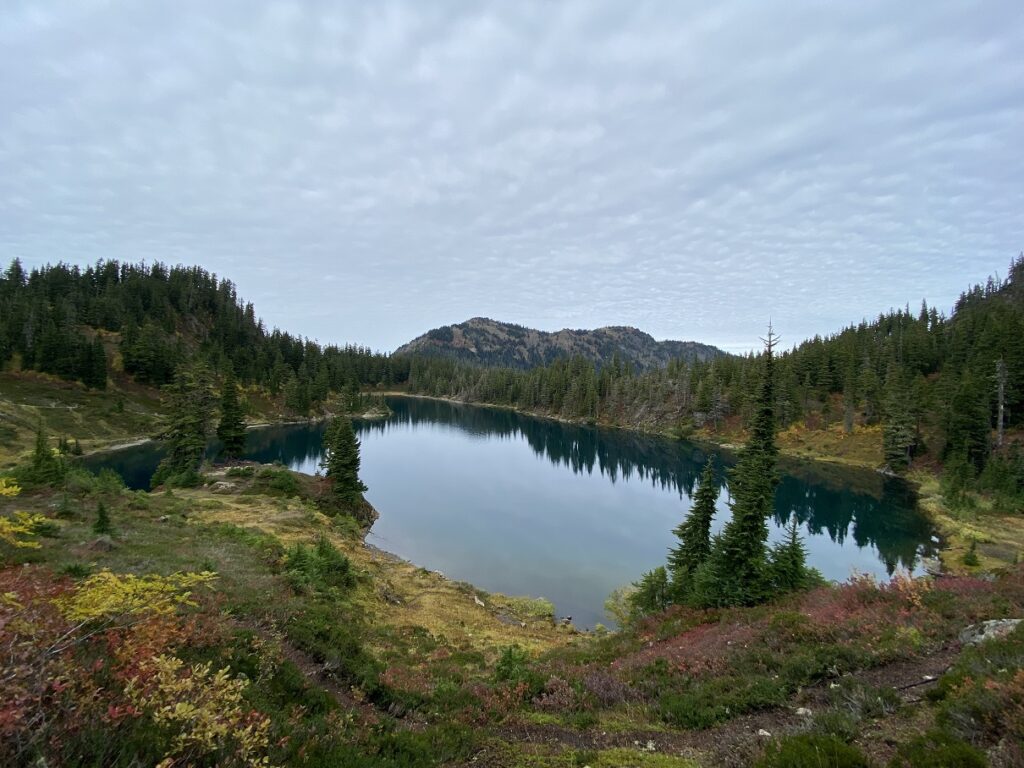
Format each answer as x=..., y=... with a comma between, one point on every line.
x=489, y=342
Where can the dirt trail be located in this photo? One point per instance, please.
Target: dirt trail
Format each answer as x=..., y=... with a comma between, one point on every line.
x=736, y=742
x=316, y=673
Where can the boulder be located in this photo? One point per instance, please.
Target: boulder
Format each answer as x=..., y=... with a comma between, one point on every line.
x=988, y=630
x=102, y=544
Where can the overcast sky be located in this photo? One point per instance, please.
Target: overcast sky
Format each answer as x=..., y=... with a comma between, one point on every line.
x=366, y=171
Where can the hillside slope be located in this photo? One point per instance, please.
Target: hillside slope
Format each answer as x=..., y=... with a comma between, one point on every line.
x=490, y=342
x=277, y=625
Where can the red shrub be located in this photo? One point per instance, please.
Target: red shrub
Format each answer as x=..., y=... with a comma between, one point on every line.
x=701, y=650
x=607, y=689
x=558, y=696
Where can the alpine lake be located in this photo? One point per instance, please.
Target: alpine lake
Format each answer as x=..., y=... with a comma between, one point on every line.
x=531, y=506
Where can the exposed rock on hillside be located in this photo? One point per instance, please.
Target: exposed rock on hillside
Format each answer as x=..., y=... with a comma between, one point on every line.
x=489, y=342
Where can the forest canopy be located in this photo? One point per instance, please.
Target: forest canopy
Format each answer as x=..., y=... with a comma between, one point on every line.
x=72, y=322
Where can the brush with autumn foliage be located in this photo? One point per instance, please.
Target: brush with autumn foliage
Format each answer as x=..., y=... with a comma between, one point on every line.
x=133, y=655
x=91, y=675
x=18, y=530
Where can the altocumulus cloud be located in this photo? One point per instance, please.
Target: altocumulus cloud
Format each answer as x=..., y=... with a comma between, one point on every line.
x=365, y=171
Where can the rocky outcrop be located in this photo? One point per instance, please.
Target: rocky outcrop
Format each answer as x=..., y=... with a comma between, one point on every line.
x=988, y=630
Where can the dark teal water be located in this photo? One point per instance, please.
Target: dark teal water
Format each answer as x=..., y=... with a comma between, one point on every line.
x=529, y=506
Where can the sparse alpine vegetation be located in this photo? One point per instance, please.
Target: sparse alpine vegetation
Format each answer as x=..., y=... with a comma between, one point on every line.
x=273, y=623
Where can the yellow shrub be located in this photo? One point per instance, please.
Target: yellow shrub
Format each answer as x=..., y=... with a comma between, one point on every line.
x=21, y=524
x=8, y=487
x=910, y=588
x=204, y=710
x=109, y=595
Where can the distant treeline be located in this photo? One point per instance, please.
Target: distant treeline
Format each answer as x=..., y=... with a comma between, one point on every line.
x=933, y=383
x=939, y=386
x=56, y=319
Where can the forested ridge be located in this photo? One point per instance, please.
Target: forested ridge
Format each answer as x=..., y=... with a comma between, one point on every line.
x=146, y=320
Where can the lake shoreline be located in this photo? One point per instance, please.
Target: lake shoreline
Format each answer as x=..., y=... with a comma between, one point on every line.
x=124, y=444
x=955, y=533
x=493, y=525
x=955, y=536
x=699, y=439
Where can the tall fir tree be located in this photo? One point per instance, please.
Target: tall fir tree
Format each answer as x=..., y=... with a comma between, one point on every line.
x=191, y=411
x=296, y=392
x=231, y=428
x=320, y=387
x=341, y=465
x=694, y=534
x=898, y=433
x=736, y=572
x=968, y=422
x=94, y=365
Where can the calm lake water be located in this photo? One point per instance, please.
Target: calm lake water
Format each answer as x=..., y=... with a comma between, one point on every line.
x=529, y=506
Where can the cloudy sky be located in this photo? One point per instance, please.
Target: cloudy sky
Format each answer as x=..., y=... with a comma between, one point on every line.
x=366, y=171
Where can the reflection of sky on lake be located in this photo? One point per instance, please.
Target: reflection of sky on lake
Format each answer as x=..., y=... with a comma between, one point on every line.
x=536, y=507
x=478, y=506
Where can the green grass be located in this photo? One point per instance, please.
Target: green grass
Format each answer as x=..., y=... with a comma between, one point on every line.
x=539, y=756
x=68, y=409
x=812, y=751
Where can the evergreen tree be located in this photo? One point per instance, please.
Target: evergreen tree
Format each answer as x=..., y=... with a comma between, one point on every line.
x=351, y=396
x=296, y=392
x=94, y=365
x=64, y=509
x=652, y=593
x=192, y=404
x=870, y=388
x=102, y=526
x=970, y=557
x=54, y=318
x=320, y=387
x=736, y=572
x=341, y=465
x=1000, y=400
x=694, y=534
x=898, y=434
x=957, y=482
x=231, y=428
x=788, y=562
x=849, y=408
x=45, y=467
x=968, y=422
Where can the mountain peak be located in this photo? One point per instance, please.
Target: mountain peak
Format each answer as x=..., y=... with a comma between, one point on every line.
x=486, y=341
